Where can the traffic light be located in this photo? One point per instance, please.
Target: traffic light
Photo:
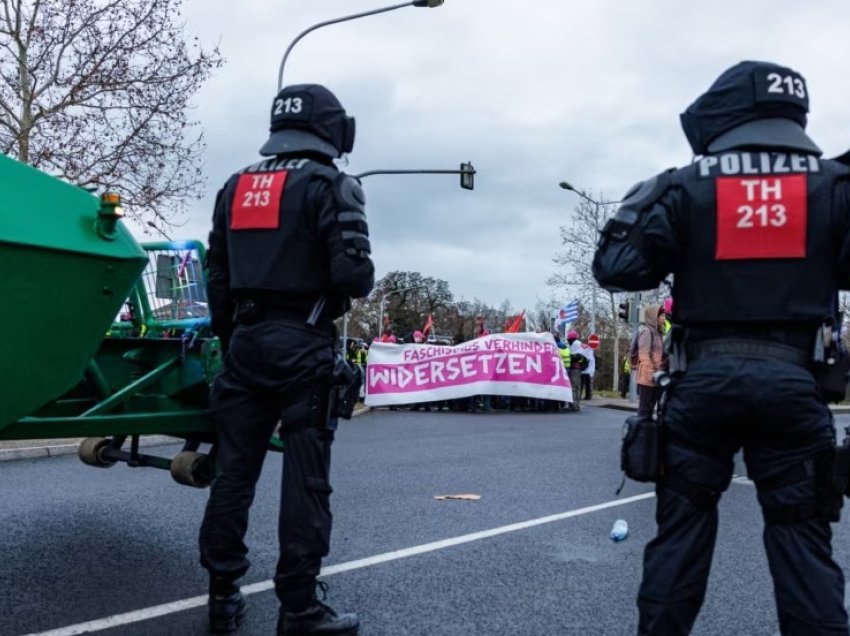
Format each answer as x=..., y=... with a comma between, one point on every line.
x=467, y=176
x=625, y=311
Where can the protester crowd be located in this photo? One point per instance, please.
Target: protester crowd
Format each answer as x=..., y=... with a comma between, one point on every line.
x=645, y=358
x=578, y=360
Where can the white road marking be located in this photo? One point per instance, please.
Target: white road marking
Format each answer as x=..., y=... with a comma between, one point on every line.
x=742, y=479
x=157, y=611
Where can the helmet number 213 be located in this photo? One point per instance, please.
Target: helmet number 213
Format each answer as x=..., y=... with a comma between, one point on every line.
x=288, y=105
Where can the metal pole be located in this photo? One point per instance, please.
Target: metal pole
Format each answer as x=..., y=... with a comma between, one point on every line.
x=345, y=332
x=381, y=315
x=597, y=204
x=373, y=172
x=593, y=309
x=384, y=297
x=635, y=322
x=327, y=23
x=158, y=229
x=593, y=303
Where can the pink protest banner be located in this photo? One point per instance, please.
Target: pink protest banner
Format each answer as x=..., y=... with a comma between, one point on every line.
x=515, y=364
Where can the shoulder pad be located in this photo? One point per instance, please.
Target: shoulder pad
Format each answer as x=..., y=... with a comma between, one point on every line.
x=349, y=193
x=645, y=193
x=844, y=159
x=351, y=215
x=843, y=167
x=639, y=198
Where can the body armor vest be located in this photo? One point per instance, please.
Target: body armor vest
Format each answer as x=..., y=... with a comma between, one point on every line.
x=272, y=230
x=759, y=239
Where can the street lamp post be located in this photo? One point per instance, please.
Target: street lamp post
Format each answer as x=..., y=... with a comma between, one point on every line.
x=158, y=229
x=385, y=296
x=597, y=204
x=565, y=185
x=415, y=3
x=467, y=174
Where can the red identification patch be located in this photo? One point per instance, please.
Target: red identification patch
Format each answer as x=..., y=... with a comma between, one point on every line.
x=761, y=217
x=256, y=204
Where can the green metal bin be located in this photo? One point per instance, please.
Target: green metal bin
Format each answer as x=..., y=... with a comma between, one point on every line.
x=64, y=276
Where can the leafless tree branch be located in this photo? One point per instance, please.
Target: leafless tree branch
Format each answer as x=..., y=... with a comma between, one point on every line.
x=99, y=92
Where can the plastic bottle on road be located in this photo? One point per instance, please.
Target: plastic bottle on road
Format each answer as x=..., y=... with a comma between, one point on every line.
x=620, y=530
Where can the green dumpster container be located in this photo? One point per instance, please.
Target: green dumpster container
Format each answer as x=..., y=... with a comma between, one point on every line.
x=64, y=275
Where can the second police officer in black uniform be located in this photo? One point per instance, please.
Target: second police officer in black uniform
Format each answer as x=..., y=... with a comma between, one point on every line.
x=289, y=247
x=757, y=235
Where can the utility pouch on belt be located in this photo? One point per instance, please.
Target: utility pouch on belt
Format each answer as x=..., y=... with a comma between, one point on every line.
x=346, y=381
x=832, y=378
x=640, y=455
x=248, y=311
x=841, y=466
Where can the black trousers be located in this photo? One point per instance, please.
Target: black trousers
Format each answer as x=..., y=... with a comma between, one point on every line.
x=772, y=410
x=647, y=399
x=623, y=382
x=270, y=374
x=587, y=386
x=575, y=382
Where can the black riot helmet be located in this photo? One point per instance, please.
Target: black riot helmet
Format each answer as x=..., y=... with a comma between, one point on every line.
x=309, y=118
x=752, y=104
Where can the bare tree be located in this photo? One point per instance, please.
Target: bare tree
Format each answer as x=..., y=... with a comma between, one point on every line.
x=575, y=275
x=418, y=296
x=541, y=317
x=98, y=92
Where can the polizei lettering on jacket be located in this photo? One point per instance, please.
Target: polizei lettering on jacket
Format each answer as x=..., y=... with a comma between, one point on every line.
x=276, y=164
x=743, y=163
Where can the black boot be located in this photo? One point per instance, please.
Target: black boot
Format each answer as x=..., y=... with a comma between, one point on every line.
x=226, y=606
x=317, y=619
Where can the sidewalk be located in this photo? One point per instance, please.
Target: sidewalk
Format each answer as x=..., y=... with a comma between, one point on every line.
x=621, y=404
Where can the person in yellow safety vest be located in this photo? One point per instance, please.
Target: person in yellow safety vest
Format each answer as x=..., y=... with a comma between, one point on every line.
x=668, y=311
x=351, y=351
x=566, y=359
x=665, y=329
x=566, y=354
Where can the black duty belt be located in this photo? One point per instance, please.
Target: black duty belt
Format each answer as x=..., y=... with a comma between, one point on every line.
x=747, y=349
x=251, y=312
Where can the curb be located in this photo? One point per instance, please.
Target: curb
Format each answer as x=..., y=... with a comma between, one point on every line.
x=617, y=407
x=57, y=450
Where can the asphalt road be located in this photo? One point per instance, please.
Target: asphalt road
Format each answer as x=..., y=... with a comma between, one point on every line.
x=81, y=544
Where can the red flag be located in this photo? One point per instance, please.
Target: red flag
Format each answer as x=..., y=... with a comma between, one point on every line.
x=428, y=325
x=517, y=323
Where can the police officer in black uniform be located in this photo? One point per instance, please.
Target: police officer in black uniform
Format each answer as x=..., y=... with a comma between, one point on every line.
x=757, y=234
x=289, y=247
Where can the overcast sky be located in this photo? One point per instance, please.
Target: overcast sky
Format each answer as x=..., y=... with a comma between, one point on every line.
x=532, y=92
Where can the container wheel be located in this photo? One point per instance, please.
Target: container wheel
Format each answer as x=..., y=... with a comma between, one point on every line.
x=192, y=469
x=91, y=452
